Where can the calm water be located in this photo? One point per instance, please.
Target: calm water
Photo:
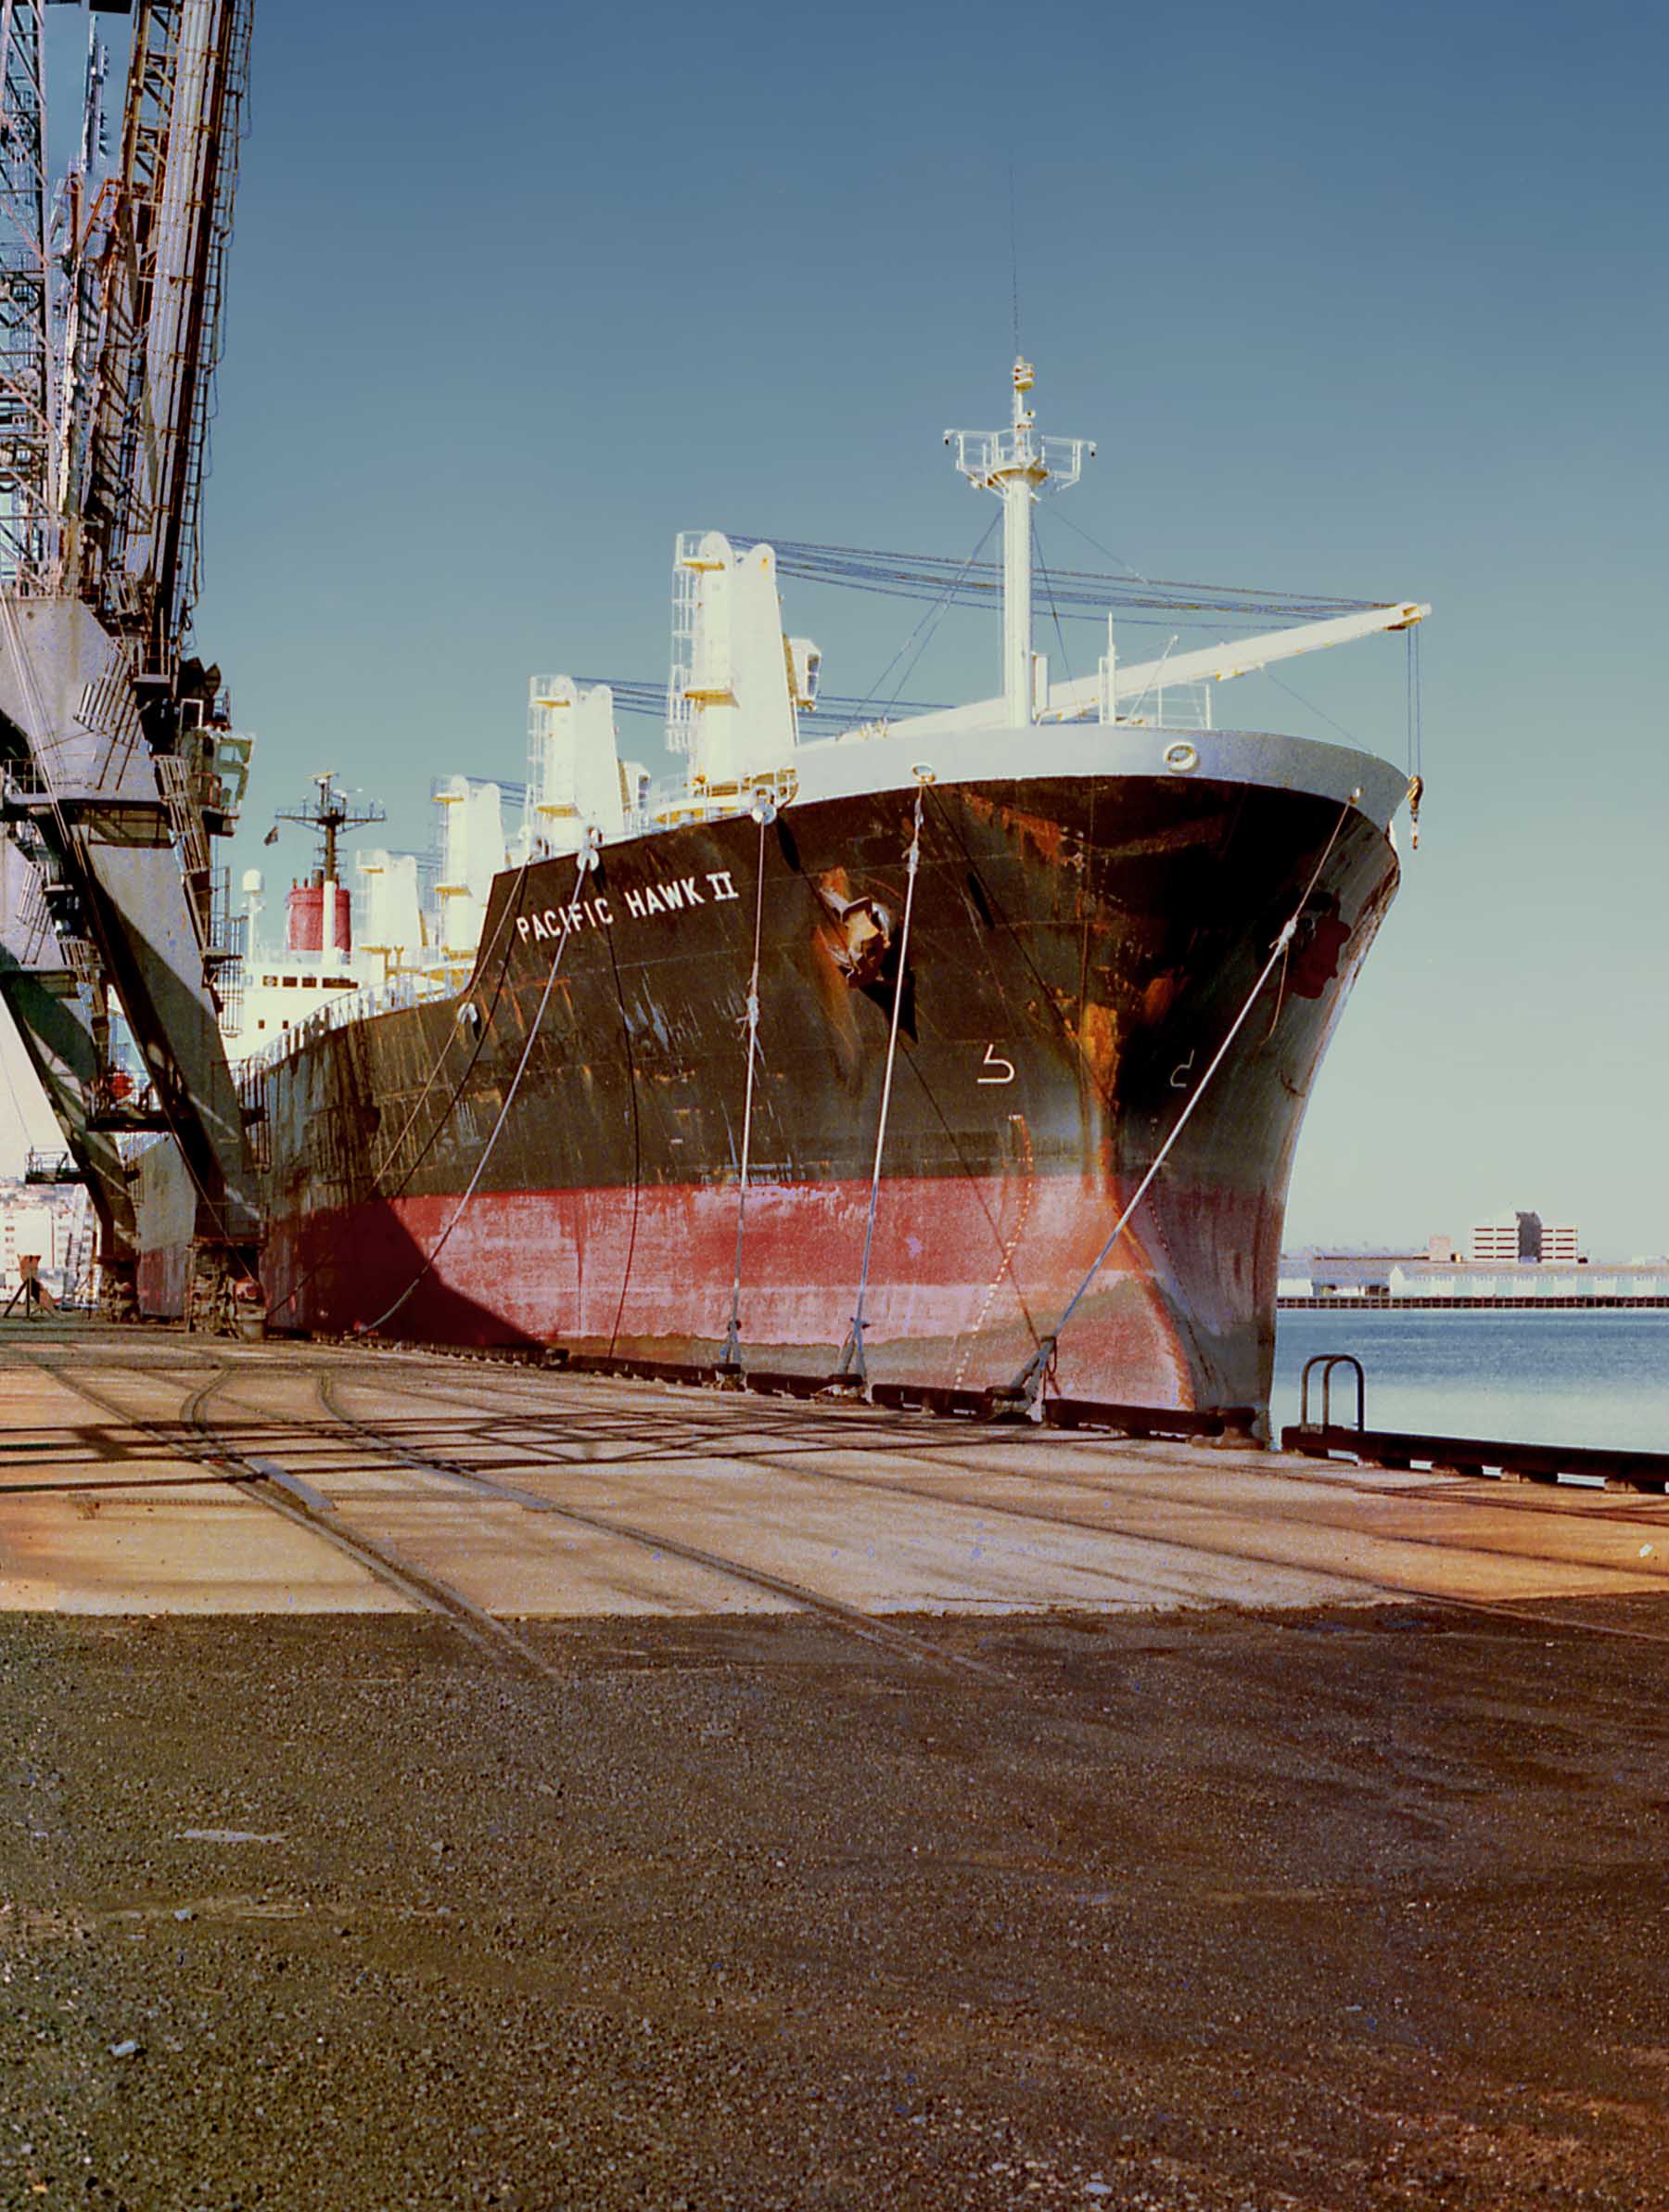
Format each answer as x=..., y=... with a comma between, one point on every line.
x=1532, y=1378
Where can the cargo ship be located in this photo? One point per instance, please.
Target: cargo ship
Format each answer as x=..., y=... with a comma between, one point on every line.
x=966, y=1049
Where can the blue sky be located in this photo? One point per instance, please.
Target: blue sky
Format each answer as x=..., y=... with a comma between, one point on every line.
x=1352, y=302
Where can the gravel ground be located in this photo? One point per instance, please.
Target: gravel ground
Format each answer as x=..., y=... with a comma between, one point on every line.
x=1216, y=1910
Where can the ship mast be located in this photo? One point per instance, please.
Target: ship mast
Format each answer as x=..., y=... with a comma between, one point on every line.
x=329, y=814
x=1020, y=467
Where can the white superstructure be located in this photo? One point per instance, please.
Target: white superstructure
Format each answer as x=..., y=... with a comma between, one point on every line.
x=738, y=690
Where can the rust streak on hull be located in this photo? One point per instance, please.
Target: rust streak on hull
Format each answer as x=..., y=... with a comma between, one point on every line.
x=1081, y=948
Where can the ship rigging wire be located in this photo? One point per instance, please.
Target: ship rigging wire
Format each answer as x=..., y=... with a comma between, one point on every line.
x=1049, y=600
x=1073, y=593
x=927, y=625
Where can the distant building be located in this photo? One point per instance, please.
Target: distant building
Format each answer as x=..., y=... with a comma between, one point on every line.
x=1528, y=1281
x=1396, y=1279
x=1523, y=1239
x=1501, y=1239
x=1351, y=1274
x=48, y=1224
x=1514, y=1259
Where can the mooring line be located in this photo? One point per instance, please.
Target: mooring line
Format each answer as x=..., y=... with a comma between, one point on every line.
x=730, y=1356
x=588, y=860
x=853, y=1371
x=1026, y=1385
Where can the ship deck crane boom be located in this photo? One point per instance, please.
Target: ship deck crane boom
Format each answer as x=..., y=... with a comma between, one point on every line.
x=1129, y=682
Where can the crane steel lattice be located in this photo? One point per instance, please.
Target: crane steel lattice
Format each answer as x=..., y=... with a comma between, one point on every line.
x=28, y=394
x=116, y=765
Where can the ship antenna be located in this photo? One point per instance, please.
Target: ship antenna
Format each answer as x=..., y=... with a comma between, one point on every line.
x=1015, y=259
x=1020, y=467
x=328, y=814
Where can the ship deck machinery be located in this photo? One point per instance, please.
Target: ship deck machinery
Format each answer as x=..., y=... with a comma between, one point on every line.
x=116, y=770
x=856, y=1056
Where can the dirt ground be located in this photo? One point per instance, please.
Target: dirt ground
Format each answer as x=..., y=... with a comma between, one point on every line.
x=1222, y=1910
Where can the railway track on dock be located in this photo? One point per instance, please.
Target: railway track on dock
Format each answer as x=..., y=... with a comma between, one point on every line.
x=196, y=1437
x=295, y=1499
x=901, y=1440
x=868, y=1626
x=557, y=1426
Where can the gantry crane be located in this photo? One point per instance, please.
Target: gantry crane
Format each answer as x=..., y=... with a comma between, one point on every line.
x=117, y=764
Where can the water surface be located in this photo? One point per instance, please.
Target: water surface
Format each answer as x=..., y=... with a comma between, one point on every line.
x=1558, y=1377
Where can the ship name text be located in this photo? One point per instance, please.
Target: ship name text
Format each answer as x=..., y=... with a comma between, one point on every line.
x=671, y=895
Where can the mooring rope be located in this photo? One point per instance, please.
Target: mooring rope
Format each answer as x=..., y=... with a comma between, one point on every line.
x=1029, y=1381
x=852, y=1368
x=730, y=1356
x=588, y=860
x=482, y=1026
x=511, y=908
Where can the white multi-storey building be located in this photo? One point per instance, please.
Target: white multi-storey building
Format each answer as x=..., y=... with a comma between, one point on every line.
x=1506, y=1238
x=48, y=1226
x=1489, y=1243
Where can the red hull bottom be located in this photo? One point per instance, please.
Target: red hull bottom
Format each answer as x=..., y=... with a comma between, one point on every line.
x=966, y=1276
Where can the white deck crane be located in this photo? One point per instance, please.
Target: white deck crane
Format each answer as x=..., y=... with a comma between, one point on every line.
x=1129, y=683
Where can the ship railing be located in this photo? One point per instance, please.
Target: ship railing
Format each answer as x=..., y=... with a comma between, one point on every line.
x=1170, y=707
x=34, y=920
x=676, y=801
x=348, y=1006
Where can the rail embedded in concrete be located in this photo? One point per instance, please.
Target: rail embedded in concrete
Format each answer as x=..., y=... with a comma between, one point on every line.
x=1481, y=1455
x=1138, y=1421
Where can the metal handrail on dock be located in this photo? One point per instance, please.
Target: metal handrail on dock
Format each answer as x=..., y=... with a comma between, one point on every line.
x=1327, y=1362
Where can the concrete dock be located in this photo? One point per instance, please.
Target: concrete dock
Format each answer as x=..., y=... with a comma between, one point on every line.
x=591, y=1496
x=440, y=1784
